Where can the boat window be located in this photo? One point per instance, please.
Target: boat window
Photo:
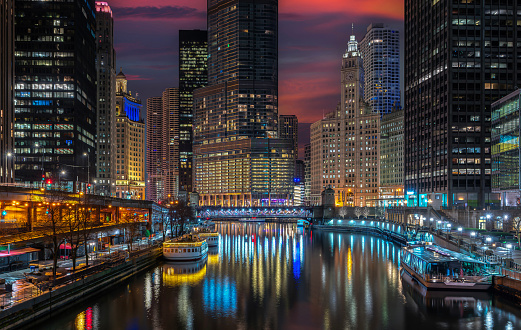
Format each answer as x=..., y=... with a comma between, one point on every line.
x=184, y=250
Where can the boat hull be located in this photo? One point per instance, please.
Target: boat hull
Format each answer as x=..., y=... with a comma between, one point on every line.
x=184, y=257
x=413, y=279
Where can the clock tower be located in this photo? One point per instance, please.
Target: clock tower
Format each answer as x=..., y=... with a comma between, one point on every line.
x=345, y=144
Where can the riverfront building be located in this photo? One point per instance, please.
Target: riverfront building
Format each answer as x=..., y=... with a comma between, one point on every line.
x=193, y=74
x=129, y=143
x=106, y=100
x=391, y=159
x=163, y=146
x=6, y=90
x=505, y=149
x=460, y=56
x=345, y=145
x=307, y=174
x=238, y=159
x=55, y=92
x=380, y=50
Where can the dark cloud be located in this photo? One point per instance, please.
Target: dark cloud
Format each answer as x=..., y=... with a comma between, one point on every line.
x=162, y=12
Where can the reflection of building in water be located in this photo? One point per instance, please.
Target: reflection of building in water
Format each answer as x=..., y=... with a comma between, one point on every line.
x=178, y=274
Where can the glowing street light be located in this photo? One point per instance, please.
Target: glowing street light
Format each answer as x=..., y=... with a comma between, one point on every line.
x=473, y=234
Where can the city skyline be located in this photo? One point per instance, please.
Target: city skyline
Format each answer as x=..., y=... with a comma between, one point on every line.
x=308, y=50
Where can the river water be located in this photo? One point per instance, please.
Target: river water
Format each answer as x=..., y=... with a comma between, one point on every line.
x=276, y=276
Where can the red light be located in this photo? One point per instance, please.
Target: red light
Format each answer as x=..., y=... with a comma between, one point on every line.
x=49, y=181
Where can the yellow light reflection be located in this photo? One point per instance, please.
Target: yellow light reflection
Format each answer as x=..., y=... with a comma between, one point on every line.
x=213, y=259
x=349, y=264
x=176, y=276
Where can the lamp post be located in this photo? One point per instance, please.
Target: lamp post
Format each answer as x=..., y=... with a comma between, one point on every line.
x=36, y=145
x=88, y=168
x=60, y=178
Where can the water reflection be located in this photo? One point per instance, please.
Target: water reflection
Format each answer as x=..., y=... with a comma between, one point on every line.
x=280, y=277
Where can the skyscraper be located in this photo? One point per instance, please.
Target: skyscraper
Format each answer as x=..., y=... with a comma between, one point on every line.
x=106, y=100
x=6, y=90
x=129, y=143
x=345, y=145
x=307, y=174
x=55, y=92
x=238, y=158
x=460, y=56
x=193, y=74
x=288, y=129
x=154, y=154
x=380, y=50
x=163, y=146
x=391, y=159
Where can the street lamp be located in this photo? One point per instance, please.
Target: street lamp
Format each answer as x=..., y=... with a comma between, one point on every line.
x=88, y=168
x=473, y=234
x=36, y=145
x=60, y=178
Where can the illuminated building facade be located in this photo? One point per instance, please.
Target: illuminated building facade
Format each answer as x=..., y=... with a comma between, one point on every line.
x=391, y=159
x=163, y=144
x=380, y=50
x=238, y=158
x=505, y=149
x=307, y=174
x=55, y=92
x=345, y=145
x=129, y=143
x=6, y=90
x=154, y=154
x=288, y=129
x=460, y=56
x=193, y=74
x=106, y=100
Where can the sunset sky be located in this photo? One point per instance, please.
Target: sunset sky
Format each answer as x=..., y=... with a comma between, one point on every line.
x=312, y=37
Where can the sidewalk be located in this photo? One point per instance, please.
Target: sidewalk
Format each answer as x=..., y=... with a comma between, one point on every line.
x=23, y=290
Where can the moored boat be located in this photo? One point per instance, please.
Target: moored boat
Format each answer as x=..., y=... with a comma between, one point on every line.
x=189, y=247
x=436, y=268
x=211, y=236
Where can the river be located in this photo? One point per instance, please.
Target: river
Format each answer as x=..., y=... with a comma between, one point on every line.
x=276, y=276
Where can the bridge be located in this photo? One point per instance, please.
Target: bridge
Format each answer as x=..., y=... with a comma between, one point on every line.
x=213, y=212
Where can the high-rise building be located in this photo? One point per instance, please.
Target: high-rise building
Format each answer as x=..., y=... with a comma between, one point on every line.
x=129, y=143
x=154, y=154
x=506, y=114
x=55, y=92
x=193, y=74
x=380, y=50
x=163, y=146
x=288, y=129
x=391, y=159
x=106, y=100
x=345, y=145
x=459, y=58
x=6, y=90
x=238, y=159
x=307, y=174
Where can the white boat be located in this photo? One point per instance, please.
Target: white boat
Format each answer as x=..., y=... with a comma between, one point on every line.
x=189, y=247
x=212, y=237
x=435, y=268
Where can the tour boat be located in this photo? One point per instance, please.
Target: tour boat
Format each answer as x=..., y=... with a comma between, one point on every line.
x=189, y=247
x=211, y=236
x=436, y=268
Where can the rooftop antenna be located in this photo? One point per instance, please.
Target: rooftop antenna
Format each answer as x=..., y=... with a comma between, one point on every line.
x=352, y=28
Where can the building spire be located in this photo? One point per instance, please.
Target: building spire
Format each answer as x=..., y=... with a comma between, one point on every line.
x=352, y=45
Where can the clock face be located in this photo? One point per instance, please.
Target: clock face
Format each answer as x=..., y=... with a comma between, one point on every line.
x=350, y=76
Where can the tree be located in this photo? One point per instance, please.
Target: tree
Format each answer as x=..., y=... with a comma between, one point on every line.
x=51, y=221
x=366, y=212
x=358, y=212
x=85, y=223
x=516, y=225
x=132, y=228
x=73, y=235
x=342, y=212
x=163, y=223
x=180, y=213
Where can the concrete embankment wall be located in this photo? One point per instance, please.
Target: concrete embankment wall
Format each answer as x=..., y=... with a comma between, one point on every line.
x=45, y=305
x=509, y=287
